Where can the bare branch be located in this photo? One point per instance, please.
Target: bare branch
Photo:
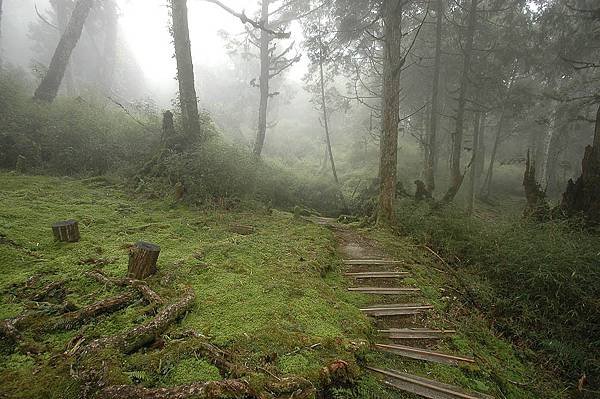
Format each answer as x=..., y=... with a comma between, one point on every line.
x=245, y=20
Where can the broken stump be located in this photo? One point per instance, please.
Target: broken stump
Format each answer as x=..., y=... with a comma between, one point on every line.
x=241, y=229
x=66, y=231
x=142, y=260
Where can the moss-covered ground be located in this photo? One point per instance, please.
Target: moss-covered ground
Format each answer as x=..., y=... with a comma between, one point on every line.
x=276, y=299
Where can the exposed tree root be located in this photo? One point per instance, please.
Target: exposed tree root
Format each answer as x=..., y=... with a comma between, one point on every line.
x=55, y=289
x=149, y=295
x=109, y=305
x=198, y=390
x=142, y=335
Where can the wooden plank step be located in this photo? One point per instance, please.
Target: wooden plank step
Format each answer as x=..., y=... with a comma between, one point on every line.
x=423, y=354
x=383, y=290
x=396, y=310
x=424, y=387
x=372, y=262
x=376, y=274
x=416, y=333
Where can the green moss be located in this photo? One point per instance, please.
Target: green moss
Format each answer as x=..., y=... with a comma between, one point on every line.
x=193, y=370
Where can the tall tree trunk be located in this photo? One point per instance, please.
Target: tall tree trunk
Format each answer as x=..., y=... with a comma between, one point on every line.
x=477, y=129
x=185, y=69
x=107, y=67
x=431, y=148
x=63, y=9
x=48, y=88
x=456, y=175
x=392, y=65
x=0, y=33
x=265, y=61
x=486, y=189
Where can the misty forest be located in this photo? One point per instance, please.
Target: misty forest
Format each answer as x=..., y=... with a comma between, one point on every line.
x=299, y=199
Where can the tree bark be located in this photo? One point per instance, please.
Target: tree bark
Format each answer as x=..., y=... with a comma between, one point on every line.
x=185, y=69
x=456, y=175
x=392, y=65
x=48, y=88
x=474, y=161
x=431, y=148
x=265, y=62
x=142, y=260
x=325, y=116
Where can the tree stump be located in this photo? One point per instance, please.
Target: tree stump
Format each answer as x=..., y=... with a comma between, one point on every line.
x=241, y=229
x=66, y=231
x=142, y=260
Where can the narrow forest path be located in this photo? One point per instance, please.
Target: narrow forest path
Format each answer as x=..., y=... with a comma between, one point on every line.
x=400, y=314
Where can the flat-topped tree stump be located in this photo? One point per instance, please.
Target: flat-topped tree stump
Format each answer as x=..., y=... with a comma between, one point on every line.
x=66, y=231
x=142, y=260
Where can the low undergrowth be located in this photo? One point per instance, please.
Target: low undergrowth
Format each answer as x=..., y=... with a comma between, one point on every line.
x=537, y=283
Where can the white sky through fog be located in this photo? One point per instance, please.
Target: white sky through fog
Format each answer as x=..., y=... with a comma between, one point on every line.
x=144, y=24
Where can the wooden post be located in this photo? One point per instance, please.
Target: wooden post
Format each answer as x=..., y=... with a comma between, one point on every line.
x=66, y=231
x=142, y=260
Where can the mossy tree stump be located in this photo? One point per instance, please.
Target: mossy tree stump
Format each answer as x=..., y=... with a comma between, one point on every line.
x=142, y=260
x=66, y=231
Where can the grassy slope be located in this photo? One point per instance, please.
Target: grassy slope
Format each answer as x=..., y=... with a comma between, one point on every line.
x=260, y=295
x=267, y=297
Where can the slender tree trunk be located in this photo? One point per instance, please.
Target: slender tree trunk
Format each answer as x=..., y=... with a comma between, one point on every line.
x=456, y=175
x=431, y=148
x=48, y=88
x=486, y=189
x=62, y=10
x=325, y=118
x=107, y=67
x=474, y=161
x=392, y=65
x=185, y=69
x=265, y=62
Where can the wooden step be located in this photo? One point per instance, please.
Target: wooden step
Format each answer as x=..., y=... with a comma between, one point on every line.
x=423, y=354
x=372, y=262
x=424, y=387
x=396, y=310
x=383, y=290
x=416, y=333
x=377, y=274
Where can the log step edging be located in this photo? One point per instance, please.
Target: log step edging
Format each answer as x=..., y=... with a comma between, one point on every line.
x=376, y=274
x=396, y=310
x=424, y=354
x=383, y=290
x=416, y=333
x=425, y=387
x=382, y=262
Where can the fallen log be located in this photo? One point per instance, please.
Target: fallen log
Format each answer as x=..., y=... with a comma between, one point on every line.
x=197, y=390
x=55, y=289
x=142, y=335
x=73, y=319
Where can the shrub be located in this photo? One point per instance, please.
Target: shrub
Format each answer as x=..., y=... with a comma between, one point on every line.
x=538, y=282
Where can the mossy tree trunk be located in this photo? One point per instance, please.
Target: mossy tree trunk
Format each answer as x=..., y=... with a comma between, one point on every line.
x=48, y=88
x=392, y=65
x=185, y=68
